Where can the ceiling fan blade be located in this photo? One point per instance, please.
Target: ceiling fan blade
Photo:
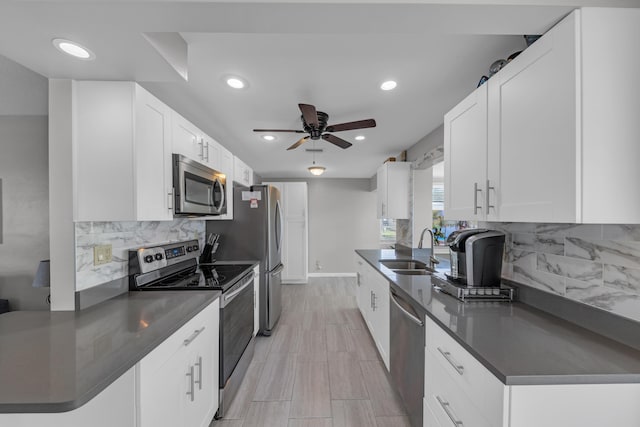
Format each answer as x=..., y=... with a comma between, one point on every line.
x=299, y=143
x=360, y=124
x=336, y=141
x=278, y=130
x=310, y=114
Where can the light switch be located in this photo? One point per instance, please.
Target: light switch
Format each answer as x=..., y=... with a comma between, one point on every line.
x=101, y=254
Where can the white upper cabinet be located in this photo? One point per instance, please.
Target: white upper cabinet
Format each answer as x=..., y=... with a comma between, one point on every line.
x=532, y=131
x=242, y=173
x=465, y=151
x=226, y=167
x=187, y=139
x=561, y=129
x=393, y=190
x=122, y=145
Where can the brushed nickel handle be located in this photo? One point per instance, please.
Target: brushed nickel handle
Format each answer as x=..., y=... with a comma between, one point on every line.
x=456, y=366
x=375, y=297
x=170, y=199
x=489, y=188
x=406, y=313
x=206, y=159
x=445, y=407
x=191, y=392
x=476, y=190
x=193, y=336
x=201, y=143
x=199, y=380
x=371, y=299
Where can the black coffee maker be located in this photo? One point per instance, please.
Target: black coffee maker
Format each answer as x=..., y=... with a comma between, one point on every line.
x=476, y=257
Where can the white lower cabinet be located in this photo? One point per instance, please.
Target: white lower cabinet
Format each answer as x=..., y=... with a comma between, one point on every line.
x=114, y=406
x=372, y=296
x=459, y=390
x=178, y=380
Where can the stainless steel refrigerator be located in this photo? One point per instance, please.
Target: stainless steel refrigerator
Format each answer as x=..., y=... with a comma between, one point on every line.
x=255, y=233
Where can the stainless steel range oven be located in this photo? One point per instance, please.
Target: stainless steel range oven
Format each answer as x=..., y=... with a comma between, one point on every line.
x=175, y=267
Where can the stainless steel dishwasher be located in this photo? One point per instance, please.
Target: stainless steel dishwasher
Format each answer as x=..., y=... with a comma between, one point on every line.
x=407, y=353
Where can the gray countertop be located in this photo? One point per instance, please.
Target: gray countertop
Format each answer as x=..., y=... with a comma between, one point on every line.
x=519, y=344
x=57, y=361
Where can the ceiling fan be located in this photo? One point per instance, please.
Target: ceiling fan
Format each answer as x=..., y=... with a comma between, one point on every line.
x=315, y=124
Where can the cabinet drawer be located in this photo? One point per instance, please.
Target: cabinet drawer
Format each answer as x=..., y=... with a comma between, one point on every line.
x=429, y=417
x=202, y=322
x=480, y=385
x=449, y=405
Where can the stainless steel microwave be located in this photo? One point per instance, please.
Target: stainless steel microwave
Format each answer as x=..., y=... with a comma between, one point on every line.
x=199, y=190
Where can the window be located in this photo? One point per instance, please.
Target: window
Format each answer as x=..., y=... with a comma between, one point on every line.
x=387, y=233
x=441, y=227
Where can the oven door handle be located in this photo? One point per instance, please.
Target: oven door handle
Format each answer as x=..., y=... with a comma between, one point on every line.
x=232, y=295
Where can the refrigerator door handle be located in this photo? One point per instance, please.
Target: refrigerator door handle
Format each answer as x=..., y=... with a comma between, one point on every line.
x=278, y=219
x=277, y=270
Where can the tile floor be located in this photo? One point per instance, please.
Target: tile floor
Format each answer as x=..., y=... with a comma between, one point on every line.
x=320, y=368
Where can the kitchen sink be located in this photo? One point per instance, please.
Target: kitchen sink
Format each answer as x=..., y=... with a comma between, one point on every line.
x=405, y=264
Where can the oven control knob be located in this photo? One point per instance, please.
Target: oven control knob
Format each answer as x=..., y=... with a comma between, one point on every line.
x=148, y=258
x=189, y=249
x=195, y=247
x=158, y=257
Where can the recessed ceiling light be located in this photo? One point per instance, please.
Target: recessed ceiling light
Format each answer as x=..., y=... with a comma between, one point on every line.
x=388, y=85
x=268, y=137
x=74, y=49
x=236, y=82
x=359, y=138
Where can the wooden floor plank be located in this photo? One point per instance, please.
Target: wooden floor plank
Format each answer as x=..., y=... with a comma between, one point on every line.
x=277, y=378
x=352, y=413
x=311, y=393
x=384, y=399
x=345, y=380
x=271, y=414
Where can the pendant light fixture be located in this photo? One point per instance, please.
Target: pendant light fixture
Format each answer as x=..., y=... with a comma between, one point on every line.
x=315, y=169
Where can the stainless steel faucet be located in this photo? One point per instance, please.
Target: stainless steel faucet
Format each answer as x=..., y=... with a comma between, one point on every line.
x=432, y=259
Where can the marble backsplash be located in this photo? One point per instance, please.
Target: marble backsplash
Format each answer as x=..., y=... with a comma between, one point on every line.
x=124, y=236
x=598, y=265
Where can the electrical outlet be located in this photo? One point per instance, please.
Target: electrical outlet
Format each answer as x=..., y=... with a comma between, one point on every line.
x=101, y=254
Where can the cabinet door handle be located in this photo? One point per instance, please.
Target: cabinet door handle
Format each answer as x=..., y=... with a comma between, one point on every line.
x=445, y=407
x=170, y=200
x=193, y=336
x=199, y=380
x=489, y=188
x=456, y=366
x=191, y=391
x=207, y=147
x=476, y=190
x=375, y=297
x=371, y=299
x=201, y=143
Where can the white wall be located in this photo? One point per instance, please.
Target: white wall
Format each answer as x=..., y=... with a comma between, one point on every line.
x=24, y=173
x=342, y=218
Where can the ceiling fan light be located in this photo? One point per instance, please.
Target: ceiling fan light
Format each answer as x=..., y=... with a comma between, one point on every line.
x=359, y=138
x=268, y=137
x=388, y=85
x=316, y=170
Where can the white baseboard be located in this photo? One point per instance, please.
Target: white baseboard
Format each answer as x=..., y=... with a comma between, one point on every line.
x=332, y=275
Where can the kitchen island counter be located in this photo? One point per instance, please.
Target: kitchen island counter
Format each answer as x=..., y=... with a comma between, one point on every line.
x=519, y=344
x=58, y=361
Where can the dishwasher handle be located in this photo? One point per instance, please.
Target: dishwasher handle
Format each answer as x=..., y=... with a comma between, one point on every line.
x=413, y=318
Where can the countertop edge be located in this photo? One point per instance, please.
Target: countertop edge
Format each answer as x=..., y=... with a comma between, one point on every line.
x=99, y=387
x=512, y=380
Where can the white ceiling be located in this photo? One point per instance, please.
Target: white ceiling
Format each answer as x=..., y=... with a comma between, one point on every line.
x=329, y=54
